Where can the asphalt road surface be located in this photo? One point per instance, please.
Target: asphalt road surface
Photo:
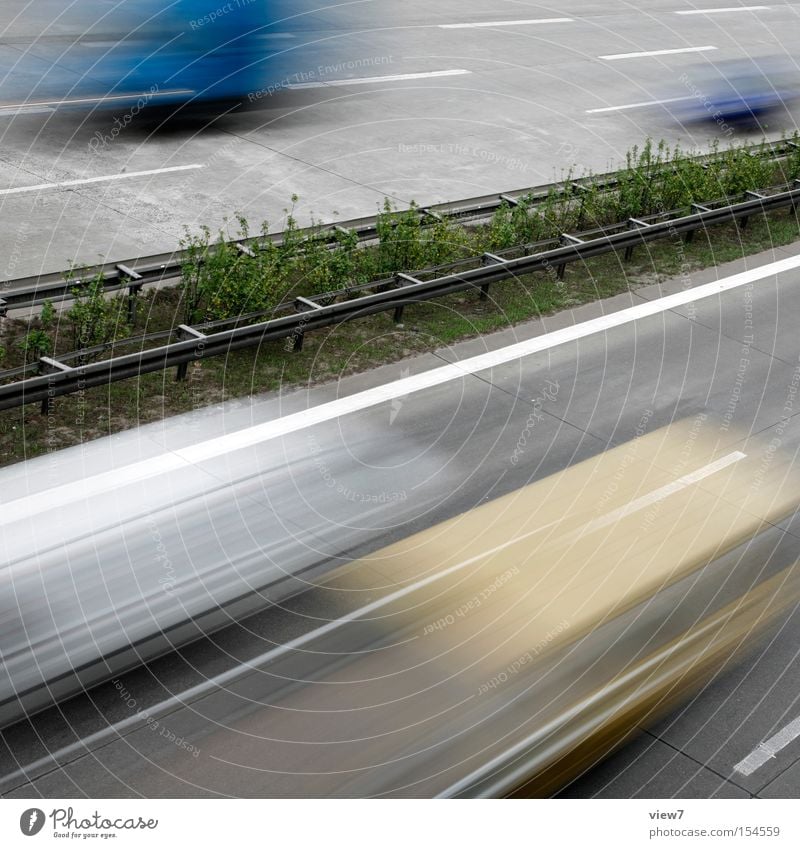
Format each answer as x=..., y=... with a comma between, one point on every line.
x=400, y=465
x=398, y=100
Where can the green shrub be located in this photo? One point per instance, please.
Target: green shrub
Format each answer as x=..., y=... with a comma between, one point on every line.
x=35, y=345
x=47, y=316
x=221, y=281
x=400, y=245
x=95, y=319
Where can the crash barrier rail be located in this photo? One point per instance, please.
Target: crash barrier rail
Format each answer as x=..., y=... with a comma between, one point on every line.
x=132, y=275
x=57, y=378
x=326, y=298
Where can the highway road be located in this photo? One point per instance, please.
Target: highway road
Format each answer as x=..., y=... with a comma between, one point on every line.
x=262, y=492
x=397, y=100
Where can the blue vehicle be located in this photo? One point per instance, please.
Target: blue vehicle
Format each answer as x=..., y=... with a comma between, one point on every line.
x=185, y=52
x=740, y=90
x=178, y=53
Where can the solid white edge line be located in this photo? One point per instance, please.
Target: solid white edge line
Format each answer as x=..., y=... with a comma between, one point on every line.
x=92, y=180
x=299, y=86
x=724, y=9
x=614, y=56
x=508, y=23
x=21, y=508
x=639, y=105
x=767, y=750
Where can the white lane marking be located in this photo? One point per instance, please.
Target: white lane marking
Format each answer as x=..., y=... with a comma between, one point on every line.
x=767, y=750
x=388, y=78
x=639, y=105
x=614, y=56
x=32, y=109
x=508, y=23
x=659, y=494
x=15, y=509
x=90, y=180
x=723, y=9
x=36, y=104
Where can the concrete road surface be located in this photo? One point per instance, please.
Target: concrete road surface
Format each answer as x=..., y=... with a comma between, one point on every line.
x=328, y=487
x=377, y=99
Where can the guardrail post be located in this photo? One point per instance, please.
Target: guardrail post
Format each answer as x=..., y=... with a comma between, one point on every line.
x=430, y=213
x=402, y=280
x=133, y=297
x=489, y=259
x=50, y=366
x=302, y=304
x=756, y=196
x=694, y=208
x=133, y=290
x=566, y=238
x=183, y=332
x=633, y=223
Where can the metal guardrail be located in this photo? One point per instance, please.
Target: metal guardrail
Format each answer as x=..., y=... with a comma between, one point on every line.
x=60, y=379
x=133, y=274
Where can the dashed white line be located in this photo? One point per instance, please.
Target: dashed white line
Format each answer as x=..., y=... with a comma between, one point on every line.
x=21, y=508
x=767, y=750
x=722, y=9
x=530, y=22
x=49, y=105
x=638, y=105
x=90, y=180
x=388, y=78
x=26, y=110
x=614, y=56
x=638, y=504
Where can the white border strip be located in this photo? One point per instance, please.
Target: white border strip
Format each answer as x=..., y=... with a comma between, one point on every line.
x=299, y=86
x=17, y=509
x=508, y=23
x=724, y=9
x=91, y=180
x=639, y=105
x=614, y=56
